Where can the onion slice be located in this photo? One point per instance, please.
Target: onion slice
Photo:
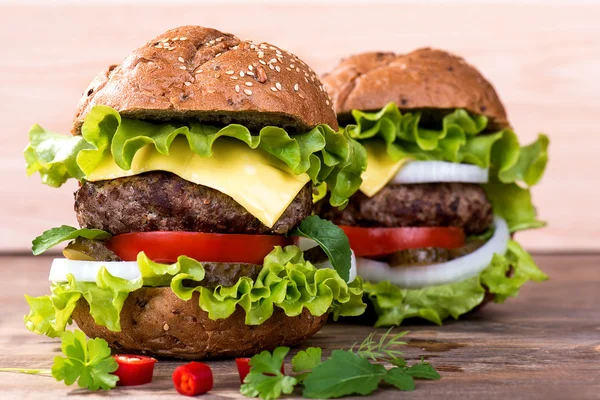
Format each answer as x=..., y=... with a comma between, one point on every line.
x=451, y=271
x=440, y=171
x=86, y=271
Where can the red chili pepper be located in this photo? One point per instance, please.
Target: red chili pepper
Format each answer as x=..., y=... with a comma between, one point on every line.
x=193, y=378
x=134, y=370
x=243, y=367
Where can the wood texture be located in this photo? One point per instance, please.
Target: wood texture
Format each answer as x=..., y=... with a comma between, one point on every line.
x=544, y=344
x=542, y=58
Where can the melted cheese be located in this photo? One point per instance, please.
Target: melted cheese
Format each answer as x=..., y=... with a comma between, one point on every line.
x=381, y=168
x=262, y=184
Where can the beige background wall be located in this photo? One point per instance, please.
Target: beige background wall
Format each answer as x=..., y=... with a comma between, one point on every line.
x=543, y=59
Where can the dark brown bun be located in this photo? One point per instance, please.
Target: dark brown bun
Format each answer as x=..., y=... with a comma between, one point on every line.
x=199, y=73
x=155, y=321
x=423, y=79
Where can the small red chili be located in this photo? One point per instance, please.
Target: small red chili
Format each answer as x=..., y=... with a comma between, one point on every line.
x=134, y=370
x=193, y=378
x=243, y=367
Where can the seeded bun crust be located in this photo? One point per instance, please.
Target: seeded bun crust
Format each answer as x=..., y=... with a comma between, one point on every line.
x=199, y=73
x=423, y=79
x=155, y=321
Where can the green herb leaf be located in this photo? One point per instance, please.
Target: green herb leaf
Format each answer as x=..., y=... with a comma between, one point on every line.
x=382, y=350
x=28, y=371
x=331, y=239
x=54, y=236
x=258, y=384
x=399, y=378
x=87, y=362
x=423, y=370
x=343, y=374
x=305, y=360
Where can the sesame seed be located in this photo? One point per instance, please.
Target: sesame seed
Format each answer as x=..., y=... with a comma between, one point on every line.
x=277, y=68
x=235, y=47
x=158, y=46
x=306, y=79
x=261, y=54
x=211, y=42
x=262, y=62
x=237, y=88
x=219, y=39
x=211, y=91
x=327, y=102
x=248, y=83
x=250, y=73
x=182, y=67
x=273, y=88
x=164, y=40
x=171, y=48
x=250, y=67
x=187, y=83
x=248, y=91
x=175, y=39
x=233, y=77
x=230, y=72
x=217, y=55
x=278, y=85
x=199, y=71
x=300, y=94
x=271, y=66
x=242, y=74
x=183, y=38
x=273, y=48
x=181, y=59
x=288, y=69
x=166, y=327
x=263, y=46
x=296, y=87
x=297, y=69
x=273, y=60
x=292, y=65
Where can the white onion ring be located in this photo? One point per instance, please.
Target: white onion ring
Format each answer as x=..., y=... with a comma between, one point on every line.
x=86, y=271
x=440, y=171
x=451, y=271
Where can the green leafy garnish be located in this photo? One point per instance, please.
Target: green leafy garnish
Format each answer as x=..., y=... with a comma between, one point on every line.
x=436, y=303
x=265, y=379
x=322, y=153
x=346, y=372
x=87, y=361
x=54, y=236
x=462, y=138
x=331, y=239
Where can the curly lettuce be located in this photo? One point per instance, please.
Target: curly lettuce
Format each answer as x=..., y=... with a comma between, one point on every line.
x=325, y=155
x=462, y=139
x=286, y=281
x=503, y=278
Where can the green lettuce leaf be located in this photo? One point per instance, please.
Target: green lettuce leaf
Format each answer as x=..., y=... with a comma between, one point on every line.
x=436, y=303
x=286, y=281
x=462, y=139
x=325, y=155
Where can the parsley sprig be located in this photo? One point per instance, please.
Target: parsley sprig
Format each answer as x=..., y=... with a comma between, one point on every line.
x=358, y=370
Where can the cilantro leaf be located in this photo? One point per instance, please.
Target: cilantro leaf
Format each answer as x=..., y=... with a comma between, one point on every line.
x=331, y=239
x=305, y=361
x=268, y=387
x=423, y=370
x=399, y=378
x=343, y=374
x=88, y=363
x=54, y=236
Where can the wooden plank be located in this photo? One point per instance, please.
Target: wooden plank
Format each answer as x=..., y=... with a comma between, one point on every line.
x=541, y=57
x=544, y=344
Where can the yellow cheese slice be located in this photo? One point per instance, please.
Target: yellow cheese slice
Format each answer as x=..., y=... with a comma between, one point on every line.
x=381, y=168
x=259, y=182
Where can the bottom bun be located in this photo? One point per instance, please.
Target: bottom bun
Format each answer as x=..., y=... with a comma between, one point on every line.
x=154, y=321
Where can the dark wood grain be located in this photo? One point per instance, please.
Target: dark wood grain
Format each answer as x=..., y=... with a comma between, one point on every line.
x=545, y=344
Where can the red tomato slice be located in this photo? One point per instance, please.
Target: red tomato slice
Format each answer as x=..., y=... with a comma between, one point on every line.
x=166, y=246
x=381, y=241
x=193, y=378
x=134, y=370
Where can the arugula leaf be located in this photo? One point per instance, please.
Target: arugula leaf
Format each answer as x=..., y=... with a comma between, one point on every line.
x=331, y=239
x=305, y=361
x=423, y=370
x=54, y=236
x=258, y=384
x=87, y=362
x=343, y=374
x=399, y=378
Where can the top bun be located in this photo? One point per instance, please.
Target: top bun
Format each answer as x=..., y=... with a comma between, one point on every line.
x=423, y=79
x=199, y=73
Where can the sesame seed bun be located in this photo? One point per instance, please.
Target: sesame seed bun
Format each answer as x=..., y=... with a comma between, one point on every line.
x=199, y=73
x=423, y=79
x=155, y=321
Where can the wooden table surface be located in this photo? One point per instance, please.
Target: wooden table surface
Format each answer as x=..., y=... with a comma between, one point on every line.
x=545, y=344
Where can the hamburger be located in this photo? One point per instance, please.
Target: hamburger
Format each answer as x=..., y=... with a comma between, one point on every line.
x=197, y=158
x=446, y=187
